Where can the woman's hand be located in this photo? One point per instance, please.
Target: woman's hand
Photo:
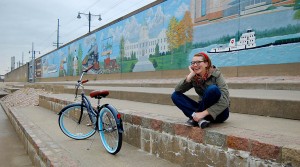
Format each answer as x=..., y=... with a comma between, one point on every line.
x=191, y=69
x=200, y=115
x=191, y=74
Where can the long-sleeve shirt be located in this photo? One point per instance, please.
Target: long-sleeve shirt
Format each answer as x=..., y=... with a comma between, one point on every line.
x=200, y=86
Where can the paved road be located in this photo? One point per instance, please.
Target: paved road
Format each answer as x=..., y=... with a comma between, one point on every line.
x=12, y=151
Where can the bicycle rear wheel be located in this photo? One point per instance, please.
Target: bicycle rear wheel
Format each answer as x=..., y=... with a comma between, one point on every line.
x=74, y=121
x=109, y=133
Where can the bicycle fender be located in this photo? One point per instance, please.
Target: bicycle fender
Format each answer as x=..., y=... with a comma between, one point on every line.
x=115, y=112
x=69, y=105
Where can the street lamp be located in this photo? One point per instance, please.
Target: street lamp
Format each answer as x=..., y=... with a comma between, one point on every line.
x=89, y=15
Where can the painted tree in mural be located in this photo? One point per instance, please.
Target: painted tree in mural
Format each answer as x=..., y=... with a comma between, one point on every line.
x=185, y=30
x=157, y=50
x=69, y=63
x=180, y=37
x=122, y=47
x=297, y=8
x=172, y=36
x=79, y=69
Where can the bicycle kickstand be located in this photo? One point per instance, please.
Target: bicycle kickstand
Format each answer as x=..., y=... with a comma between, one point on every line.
x=93, y=138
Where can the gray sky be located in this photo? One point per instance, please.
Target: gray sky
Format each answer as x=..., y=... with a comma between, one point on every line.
x=23, y=22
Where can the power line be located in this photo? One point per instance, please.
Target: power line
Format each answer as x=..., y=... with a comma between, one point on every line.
x=128, y=8
x=64, y=35
x=91, y=6
x=71, y=20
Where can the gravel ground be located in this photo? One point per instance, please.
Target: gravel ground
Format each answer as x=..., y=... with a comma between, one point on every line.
x=23, y=97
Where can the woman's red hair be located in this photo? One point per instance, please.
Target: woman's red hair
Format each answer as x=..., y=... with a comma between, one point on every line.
x=205, y=58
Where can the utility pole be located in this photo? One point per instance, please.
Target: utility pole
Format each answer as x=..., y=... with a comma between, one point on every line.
x=22, y=58
x=32, y=66
x=57, y=42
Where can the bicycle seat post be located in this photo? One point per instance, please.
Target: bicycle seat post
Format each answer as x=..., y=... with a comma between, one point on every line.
x=98, y=105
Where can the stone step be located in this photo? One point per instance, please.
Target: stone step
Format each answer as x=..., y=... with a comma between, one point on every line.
x=243, y=140
x=273, y=103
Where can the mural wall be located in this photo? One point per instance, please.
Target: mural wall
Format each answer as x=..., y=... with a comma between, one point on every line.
x=167, y=35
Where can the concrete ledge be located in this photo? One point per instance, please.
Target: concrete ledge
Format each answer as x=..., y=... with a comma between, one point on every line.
x=168, y=138
x=40, y=147
x=288, y=69
x=264, y=86
x=275, y=106
x=2, y=94
x=10, y=90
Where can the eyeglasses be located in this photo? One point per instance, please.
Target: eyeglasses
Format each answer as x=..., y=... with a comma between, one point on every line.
x=196, y=62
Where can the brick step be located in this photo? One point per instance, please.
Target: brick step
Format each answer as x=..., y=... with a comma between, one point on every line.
x=273, y=103
x=243, y=140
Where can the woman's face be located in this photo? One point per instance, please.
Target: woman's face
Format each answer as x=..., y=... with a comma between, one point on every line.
x=198, y=65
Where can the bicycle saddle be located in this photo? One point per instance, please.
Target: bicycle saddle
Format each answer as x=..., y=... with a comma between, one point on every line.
x=98, y=94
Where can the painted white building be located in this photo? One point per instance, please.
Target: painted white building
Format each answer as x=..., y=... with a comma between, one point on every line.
x=146, y=46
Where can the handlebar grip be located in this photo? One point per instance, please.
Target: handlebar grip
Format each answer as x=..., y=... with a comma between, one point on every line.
x=84, y=81
x=90, y=67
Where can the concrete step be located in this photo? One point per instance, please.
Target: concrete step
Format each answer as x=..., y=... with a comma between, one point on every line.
x=274, y=96
x=273, y=103
x=243, y=140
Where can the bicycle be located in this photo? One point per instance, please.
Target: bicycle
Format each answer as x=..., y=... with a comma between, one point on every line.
x=80, y=120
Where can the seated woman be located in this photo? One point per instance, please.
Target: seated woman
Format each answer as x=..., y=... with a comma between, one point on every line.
x=212, y=89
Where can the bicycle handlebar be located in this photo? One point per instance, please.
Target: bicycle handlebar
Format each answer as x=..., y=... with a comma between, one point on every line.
x=80, y=82
x=90, y=67
x=84, y=81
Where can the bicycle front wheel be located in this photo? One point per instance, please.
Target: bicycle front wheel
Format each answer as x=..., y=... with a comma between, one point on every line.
x=108, y=129
x=75, y=122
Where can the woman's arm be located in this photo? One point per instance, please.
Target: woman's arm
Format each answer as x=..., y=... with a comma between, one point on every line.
x=185, y=84
x=223, y=102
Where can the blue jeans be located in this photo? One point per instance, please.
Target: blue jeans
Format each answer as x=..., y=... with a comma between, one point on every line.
x=211, y=96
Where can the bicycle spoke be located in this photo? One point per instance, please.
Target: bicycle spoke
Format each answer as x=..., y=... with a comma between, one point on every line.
x=74, y=122
x=110, y=136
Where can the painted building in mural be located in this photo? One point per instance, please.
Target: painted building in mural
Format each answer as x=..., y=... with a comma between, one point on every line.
x=166, y=35
x=146, y=47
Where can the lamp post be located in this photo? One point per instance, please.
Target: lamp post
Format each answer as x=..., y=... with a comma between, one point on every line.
x=89, y=17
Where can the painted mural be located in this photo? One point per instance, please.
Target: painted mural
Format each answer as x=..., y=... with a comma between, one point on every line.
x=167, y=35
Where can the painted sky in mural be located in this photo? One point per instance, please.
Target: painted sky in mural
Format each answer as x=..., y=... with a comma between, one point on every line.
x=166, y=36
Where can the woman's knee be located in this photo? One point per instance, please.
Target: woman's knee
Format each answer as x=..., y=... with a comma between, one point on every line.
x=213, y=89
x=175, y=95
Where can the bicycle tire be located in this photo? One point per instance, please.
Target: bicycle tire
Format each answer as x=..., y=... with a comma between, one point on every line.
x=71, y=126
x=109, y=133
